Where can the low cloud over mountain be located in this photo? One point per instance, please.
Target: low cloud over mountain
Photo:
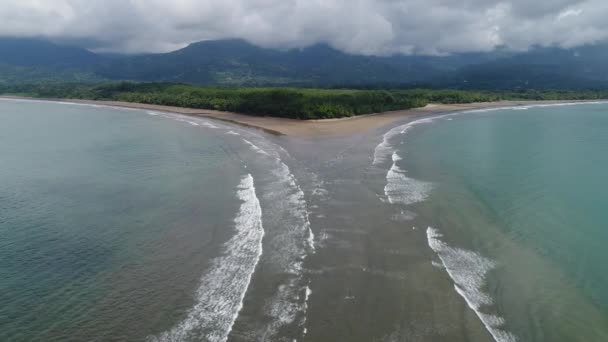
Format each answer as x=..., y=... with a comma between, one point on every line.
x=368, y=27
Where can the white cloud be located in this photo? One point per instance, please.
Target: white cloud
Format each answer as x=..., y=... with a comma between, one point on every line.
x=356, y=26
x=569, y=13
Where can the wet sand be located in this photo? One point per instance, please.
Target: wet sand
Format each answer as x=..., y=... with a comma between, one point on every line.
x=310, y=128
x=372, y=277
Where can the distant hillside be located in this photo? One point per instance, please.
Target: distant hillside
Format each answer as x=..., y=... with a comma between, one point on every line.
x=555, y=68
x=36, y=60
x=238, y=63
x=42, y=53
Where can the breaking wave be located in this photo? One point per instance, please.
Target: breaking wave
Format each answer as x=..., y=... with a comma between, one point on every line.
x=403, y=189
x=222, y=289
x=468, y=271
x=290, y=243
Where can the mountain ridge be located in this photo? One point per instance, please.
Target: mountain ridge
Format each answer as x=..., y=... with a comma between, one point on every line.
x=235, y=62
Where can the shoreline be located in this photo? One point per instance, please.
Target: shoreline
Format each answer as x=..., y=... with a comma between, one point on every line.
x=309, y=128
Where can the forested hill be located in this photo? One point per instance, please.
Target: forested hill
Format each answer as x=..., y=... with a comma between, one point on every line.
x=238, y=63
x=28, y=52
x=37, y=60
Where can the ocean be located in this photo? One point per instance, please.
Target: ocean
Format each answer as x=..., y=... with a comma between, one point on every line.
x=126, y=225
x=135, y=225
x=513, y=203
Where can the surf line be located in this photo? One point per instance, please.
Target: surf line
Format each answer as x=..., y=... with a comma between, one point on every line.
x=297, y=241
x=403, y=189
x=468, y=271
x=222, y=289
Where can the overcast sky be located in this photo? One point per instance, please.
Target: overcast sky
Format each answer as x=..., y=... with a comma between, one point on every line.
x=378, y=27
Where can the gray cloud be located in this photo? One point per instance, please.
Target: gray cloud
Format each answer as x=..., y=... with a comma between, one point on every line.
x=378, y=27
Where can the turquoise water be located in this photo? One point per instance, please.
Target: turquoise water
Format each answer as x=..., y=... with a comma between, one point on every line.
x=116, y=225
x=516, y=204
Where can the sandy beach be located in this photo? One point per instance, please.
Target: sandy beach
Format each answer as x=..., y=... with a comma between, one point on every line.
x=311, y=128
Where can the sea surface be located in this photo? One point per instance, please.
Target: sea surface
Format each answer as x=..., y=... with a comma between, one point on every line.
x=135, y=225
x=130, y=225
x=514, y=203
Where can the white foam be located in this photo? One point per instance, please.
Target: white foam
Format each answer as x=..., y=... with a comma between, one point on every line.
x=307, y=294
x=437, y=264
x=311, y=240
x=291, y=240
x=208, y=124
x=222, y=289
x=256, y=148
x=468, y=270
x=385, y=148
x=403, y=189
x=183, y=118
x=232, y=133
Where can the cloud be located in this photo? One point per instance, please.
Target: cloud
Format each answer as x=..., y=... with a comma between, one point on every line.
x=371, y=27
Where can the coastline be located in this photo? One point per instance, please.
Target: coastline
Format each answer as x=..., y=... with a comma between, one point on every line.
x=308, y=128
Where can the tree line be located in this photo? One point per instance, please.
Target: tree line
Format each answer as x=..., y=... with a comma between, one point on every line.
x=297, y=103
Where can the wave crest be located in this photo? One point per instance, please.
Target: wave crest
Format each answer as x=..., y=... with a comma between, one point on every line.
x=468, y=270
x=222, y=289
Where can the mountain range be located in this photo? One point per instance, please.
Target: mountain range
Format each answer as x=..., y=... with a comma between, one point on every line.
x=239, y=63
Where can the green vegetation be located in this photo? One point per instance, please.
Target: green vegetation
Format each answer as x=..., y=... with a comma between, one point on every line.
x=10, y=74
x=237, y=63
x=283, y=102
